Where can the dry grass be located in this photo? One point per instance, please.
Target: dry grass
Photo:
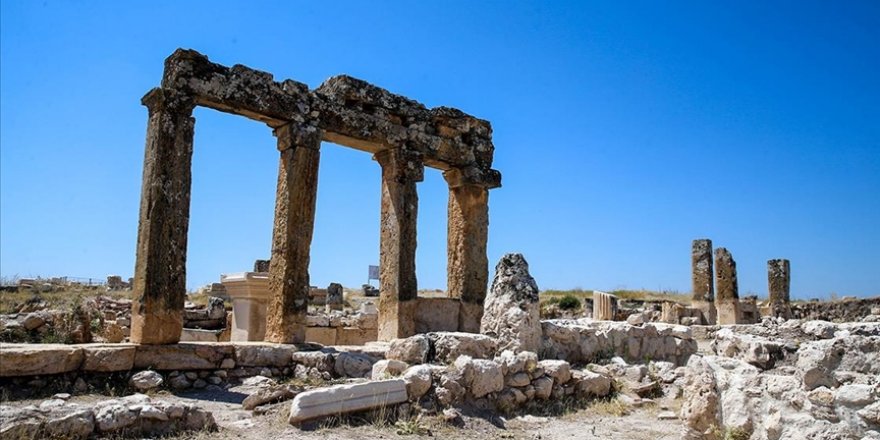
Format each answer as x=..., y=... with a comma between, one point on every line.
x=609, y=407
x=640, y=295
x=65, y=298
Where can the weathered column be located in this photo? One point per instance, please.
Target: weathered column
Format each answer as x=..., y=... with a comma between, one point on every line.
x=467, y=237
x=292, y=235
x=701, y=280
x=779, y=283
x=160, y=268
x=398, y=289
x=604, y=306
x=727, y=288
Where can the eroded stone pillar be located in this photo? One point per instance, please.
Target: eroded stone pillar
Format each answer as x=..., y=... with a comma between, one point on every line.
x=292, y=235
x=604, y=306
x=779, y=284
x=701, y=280
x=401, y=170
x=160, y=269
x=726, y=288
x=467, y=237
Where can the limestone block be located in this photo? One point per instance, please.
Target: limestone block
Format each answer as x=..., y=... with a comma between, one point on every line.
x=387, y=368
x=437, y=315
x=321, y=335
x=412, y=350
x=448, y=346
x=39, y=359
x=355, y=336
x=107, y=358
x=146, y=380
x=182, y=356
x=341, y=399
x=418, y=381
x=196, y=335
x=353, y=364
x=263, y=354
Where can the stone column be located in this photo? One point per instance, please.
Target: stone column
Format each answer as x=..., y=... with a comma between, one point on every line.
x=779, y=283
x=292, y=234
x=604, y=306
x=727, y=288
x=467, y=237
x=160, y=268
x=401, y=170
x=701, y=280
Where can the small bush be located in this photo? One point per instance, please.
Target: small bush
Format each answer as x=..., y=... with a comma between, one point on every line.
x=569, y=302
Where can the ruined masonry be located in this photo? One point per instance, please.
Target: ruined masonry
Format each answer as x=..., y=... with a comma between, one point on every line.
x=402, y=135
x=727, y=288
x=779, y=285
x=701, y=280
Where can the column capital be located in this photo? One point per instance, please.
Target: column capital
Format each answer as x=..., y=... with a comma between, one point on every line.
x=401, y=164
x=298, y=135
x=458, y=177
x=158, y=99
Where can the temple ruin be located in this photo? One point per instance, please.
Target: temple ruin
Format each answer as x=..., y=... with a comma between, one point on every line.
x=403, y=136
x=701, y=280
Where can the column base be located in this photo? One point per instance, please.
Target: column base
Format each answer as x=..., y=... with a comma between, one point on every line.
x=469, y=317
x=397, y=319
x=710, y=314
x=728, y=312
x=156, y=327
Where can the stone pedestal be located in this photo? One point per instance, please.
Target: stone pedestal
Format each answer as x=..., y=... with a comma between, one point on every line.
x=701, y=280
x=672, y=312
x=398, y=289
x=292, y=234
x=604, y=306
x=779, y=284
x=250, y=299
x=334, y=299
x=160, y=269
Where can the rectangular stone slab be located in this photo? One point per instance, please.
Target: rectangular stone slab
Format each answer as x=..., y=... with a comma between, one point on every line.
x=108, y=357
x=340, y=399
x=182, y=356
x=38, y=359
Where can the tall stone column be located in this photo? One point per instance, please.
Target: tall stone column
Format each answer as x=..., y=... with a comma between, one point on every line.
x=467, y=237
x=398, y=289
x=292, y=234
x=727, y=288
x=160, y=268
x=701, y=280
x=779, y=283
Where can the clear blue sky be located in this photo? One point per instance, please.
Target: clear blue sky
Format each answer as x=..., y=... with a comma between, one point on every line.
x=623, y=131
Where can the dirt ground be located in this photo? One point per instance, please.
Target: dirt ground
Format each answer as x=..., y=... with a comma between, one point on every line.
x=588, y=424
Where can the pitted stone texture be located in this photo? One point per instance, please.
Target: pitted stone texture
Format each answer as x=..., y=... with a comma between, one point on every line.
x=448, y=346
x=412, y=350
x=511, y=312
x=779, y=285
x=701, y=267
x=480, y=376
x=585, y=341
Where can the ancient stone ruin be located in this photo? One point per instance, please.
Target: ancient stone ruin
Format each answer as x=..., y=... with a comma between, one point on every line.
x=402, y=135
x=701, y=280
x=727, y=294
x=779, y=285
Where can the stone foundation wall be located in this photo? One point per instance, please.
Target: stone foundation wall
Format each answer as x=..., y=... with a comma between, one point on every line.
x=851, y=310
x=584, y=341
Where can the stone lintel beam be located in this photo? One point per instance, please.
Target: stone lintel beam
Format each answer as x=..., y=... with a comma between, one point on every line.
x=401, y=170
x=467, y=238
x=726, y=284
x=472, y=176
x=351, y=112
x=292, y=233
x=160, y=268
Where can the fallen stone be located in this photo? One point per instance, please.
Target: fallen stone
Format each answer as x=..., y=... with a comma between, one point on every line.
x=353, y=365
x=341, y=399
x=448, y=346
x=387, y=369
x=412, y=350
x=272, y=394
x=417, y=380
x=146, y=380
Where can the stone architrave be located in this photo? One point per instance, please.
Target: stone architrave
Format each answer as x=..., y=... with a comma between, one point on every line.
x=334, y=299
x=512, y=313
x=292, y=234
x=160, y=269
x=398, y=288
x=604, y=306
x=779, y=284
x=468, y=234
x=726, y=288
x=701, y=280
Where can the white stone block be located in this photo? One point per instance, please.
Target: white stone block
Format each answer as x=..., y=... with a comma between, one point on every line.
x=340, y=399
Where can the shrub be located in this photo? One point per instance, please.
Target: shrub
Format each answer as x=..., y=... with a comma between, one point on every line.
x=569, y=302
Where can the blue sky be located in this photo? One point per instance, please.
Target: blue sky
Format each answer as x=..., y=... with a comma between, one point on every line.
x=623, y=130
